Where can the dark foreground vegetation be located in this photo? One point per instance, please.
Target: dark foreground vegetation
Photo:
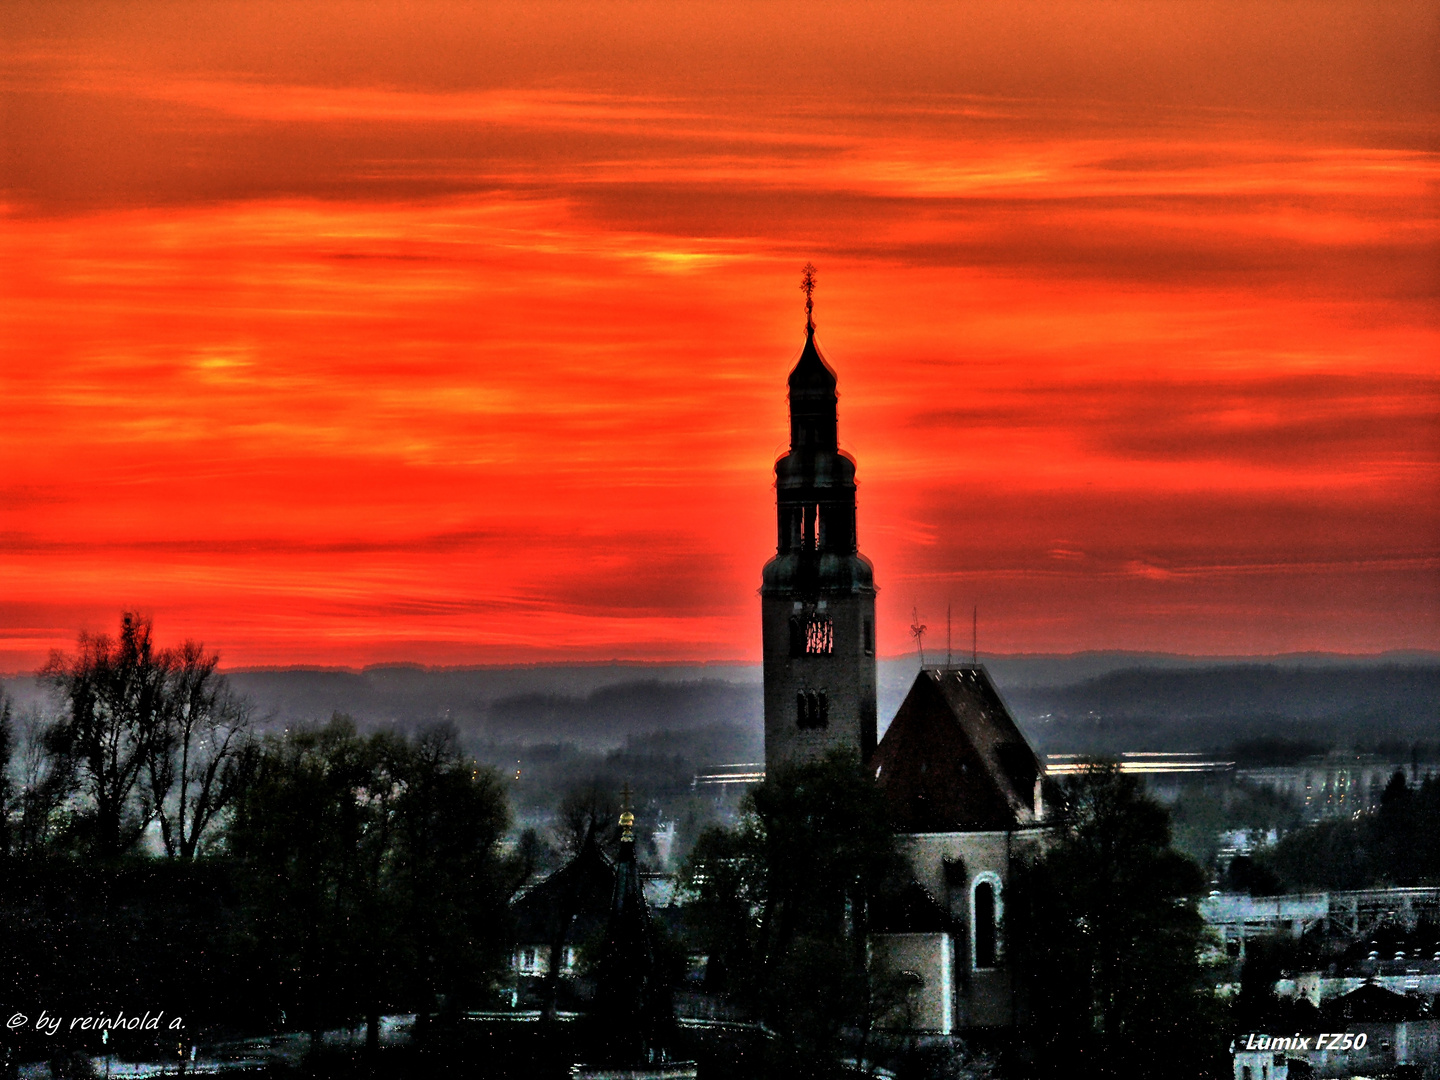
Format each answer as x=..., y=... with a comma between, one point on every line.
x=302, y=879
x=1101, y=925
x=1396, y=844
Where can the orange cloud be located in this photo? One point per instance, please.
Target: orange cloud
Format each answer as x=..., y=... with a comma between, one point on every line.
x=460, y=340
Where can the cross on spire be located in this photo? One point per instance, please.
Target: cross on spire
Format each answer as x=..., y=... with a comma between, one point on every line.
x=807, y=286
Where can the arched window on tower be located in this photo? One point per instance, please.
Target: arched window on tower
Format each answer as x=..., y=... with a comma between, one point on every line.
x=810, y=527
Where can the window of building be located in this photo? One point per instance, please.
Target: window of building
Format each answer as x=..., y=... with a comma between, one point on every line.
x=869, y=638
x=529, y=962
x=985, y=916
x=819, y=635
x=812, y=709
x=812, y=635
x=812, y=528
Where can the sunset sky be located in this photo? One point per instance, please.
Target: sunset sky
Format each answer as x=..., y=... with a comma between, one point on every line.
x=458, y=332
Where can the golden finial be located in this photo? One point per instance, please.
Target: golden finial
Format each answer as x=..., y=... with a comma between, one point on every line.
x=807, y=286
x=627, y=819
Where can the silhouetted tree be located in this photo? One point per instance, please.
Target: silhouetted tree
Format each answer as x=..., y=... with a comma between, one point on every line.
x=310, y=826
x=725, y=879
x=588, y=811
x=1396, y=843
x=150, y=735
x=378, y=878
x=46, y=780
x=783, y=903
x=453, y=884
x=534, y=855
x=1104, y=935
x=8, y=800
x=114, y=690
x=198, y=758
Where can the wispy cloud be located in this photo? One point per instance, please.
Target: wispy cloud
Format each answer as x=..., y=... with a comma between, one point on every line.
x=459, y=338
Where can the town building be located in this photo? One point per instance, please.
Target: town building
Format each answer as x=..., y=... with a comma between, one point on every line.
x=967, y=799
x=554, y=920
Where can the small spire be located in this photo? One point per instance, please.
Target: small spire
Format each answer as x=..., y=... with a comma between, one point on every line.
x=627, y=819
x=807, y=286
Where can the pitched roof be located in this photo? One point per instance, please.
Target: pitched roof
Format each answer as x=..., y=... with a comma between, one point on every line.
x=953, y=759
x=1370, y=1003
x=572, y=904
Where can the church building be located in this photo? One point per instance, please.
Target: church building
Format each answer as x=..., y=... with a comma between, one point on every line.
x=964, y=787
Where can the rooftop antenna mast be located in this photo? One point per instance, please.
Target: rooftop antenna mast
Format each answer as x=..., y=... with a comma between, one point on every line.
x=948, y=662
x=975, y=635
x=807, y=286
x=917, y=631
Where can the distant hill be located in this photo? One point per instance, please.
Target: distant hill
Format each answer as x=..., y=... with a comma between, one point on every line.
x=1088, y=702
x=1401, y=693
x=1209, y=707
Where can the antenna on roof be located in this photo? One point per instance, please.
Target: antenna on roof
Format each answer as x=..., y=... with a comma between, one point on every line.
x=947, y=634
x=917, y=631
x=975, y=635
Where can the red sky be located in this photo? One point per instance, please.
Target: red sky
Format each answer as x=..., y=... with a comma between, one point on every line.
x=457, y=333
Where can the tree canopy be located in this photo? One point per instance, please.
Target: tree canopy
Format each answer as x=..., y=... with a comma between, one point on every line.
x=150, y=735
x=781, y=904
x=1395, y=844
x=376, y=870
x=1105, y=937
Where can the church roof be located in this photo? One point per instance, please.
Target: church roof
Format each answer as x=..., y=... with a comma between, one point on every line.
x=1370, y=1003
x=570, y=905
x=953, y=759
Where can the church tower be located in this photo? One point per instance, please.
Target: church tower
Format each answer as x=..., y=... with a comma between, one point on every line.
x=817, y=600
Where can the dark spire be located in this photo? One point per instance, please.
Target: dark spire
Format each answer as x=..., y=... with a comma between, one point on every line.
x=633, y=1006
x=812, y=385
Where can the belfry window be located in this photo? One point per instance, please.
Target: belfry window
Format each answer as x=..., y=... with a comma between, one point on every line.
x=812, y=709
x=819, y=635
x=812, y=635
